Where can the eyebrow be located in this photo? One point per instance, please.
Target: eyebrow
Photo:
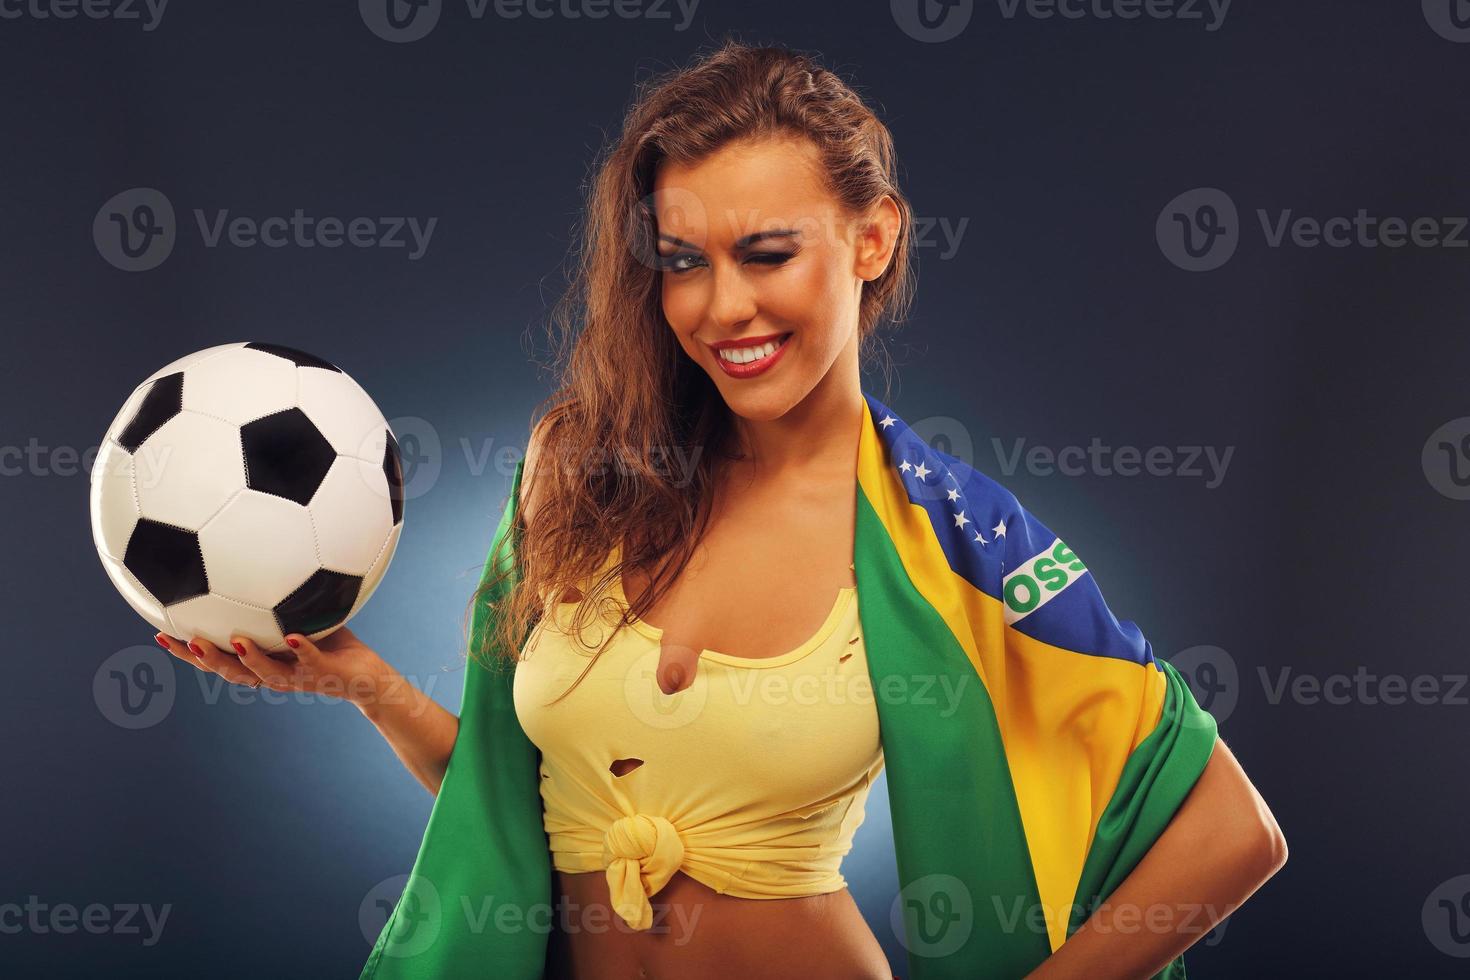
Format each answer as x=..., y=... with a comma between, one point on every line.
x=742, y=242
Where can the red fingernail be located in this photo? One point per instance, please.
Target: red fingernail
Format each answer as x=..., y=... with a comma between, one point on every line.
x=239, y=647
x=292, y=643
x=194, y=649
x=161, y=641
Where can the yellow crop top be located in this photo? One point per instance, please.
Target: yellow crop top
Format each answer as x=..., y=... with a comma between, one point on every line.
x=753, y=778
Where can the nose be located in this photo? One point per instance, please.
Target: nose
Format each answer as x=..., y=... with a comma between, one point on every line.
x=641, y=852
x=732, y=300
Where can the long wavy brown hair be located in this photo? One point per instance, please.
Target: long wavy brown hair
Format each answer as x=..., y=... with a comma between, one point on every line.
x=634, y=432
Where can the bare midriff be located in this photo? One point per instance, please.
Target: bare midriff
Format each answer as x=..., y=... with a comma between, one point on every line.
x=698, y=932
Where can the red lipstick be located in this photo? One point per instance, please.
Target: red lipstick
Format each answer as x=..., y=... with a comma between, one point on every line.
x=752, y=368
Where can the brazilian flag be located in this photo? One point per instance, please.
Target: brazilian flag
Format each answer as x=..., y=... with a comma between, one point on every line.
x=1034, y=745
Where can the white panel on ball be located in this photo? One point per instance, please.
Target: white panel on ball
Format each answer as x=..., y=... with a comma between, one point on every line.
x=189, y=360
x=113, y=502
x=192, y=465
x=379, y=568
x=258, y=548
x=344, y=413
x=351, y=514
x=206, y=616
x=240, y=385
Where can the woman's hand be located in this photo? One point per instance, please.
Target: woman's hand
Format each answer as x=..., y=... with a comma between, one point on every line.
x=420, y=731
x=339, y=665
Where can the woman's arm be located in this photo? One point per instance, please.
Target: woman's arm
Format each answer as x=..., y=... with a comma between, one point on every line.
x=421, y=732
x=1222, y=844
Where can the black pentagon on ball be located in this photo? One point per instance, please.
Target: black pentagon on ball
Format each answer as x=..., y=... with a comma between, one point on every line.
x=167, y=561
x=298, y=357
x=319, y=603
x=164, y=400
x=285, y=455
x=393, y=470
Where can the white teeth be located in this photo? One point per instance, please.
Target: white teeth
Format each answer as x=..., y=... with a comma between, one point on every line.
x=744, y=355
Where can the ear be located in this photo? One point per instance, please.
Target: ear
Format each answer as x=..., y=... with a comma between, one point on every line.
x=877, y=237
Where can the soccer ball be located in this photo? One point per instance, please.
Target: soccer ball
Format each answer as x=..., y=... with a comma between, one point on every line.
x=247, y=489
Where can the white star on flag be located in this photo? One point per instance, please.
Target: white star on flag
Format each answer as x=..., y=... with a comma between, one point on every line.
x=980, y=539
x=1000, y=529
x=904, y=466
x=960, y=520
x=887, y=421
x=922, y=471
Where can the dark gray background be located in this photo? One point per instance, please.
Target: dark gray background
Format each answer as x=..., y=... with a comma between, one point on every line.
x=1326, y=549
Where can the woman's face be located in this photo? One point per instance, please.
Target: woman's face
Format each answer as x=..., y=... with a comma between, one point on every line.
x=753, y=249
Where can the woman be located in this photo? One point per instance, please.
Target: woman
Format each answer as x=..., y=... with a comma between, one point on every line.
x=745, y=238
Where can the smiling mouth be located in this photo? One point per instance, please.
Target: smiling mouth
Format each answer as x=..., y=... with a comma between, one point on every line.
x=752, y=361
x=749, y=355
